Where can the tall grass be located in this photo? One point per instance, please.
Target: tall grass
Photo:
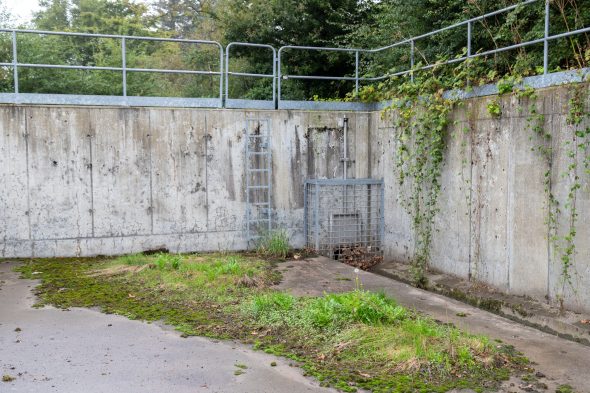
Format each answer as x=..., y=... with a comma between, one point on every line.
x=373, y=326
x=274, y=244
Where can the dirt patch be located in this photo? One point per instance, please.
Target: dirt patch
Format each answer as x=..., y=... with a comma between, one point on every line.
x=118, y=270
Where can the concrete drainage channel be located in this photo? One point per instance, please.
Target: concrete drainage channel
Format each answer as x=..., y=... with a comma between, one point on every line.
x=522, y=309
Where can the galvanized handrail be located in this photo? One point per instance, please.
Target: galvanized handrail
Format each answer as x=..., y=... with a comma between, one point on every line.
x=277, y=73
x=411, y=41
x=245, y=74
x=123, y=69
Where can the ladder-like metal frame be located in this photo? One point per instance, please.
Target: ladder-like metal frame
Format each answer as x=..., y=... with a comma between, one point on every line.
x=254, y=206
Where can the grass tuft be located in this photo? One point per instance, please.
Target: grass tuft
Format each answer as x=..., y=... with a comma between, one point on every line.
x=274, y=244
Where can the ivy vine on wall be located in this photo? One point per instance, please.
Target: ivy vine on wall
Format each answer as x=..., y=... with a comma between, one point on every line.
x=420, y=110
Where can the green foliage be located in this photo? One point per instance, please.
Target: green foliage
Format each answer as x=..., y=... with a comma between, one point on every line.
x=564, y=389
x=365, y=24
x=296, y=22
x=369, y=308
x=274, y=244
x=168, y=261
x=420, y=112
x=579, y=144
x=494, y=108
x=133, y=259
x=394, y=20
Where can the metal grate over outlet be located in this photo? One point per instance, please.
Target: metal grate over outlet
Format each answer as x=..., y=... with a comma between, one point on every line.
x=344, y=219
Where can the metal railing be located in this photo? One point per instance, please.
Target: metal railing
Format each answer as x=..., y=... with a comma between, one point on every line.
x=228, y=73
x=124, y=68
x=277, y=75
x=412, y=44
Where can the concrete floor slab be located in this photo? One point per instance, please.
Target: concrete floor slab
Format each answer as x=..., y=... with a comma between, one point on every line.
x=562, y=361
x=81, y=350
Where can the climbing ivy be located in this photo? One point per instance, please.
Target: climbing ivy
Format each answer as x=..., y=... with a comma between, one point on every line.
x=421, y=119
x=579, y=144
x=420, y=108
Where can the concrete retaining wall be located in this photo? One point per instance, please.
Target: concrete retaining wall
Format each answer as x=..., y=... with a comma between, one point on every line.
x=493, y=221
x=82, y=181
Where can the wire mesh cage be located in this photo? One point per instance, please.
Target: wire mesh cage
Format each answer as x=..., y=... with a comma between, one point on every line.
x=344, y=219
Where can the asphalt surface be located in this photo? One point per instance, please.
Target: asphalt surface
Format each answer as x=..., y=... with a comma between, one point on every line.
x=81, y=350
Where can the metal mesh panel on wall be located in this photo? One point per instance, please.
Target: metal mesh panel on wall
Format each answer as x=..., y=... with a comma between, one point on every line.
x=344, y=219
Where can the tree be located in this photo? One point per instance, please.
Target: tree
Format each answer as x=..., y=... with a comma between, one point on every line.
x=182, y=17
x=297, y=22
x=6, y=84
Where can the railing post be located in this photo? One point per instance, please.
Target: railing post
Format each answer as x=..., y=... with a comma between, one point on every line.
x=546, y=41
x=279, y=76
x=468, y=82
x=274, y=77
x=412, y=49
x=14, y=62
x=356, y=74
x=468, y=39
x=124, y=65
x=221, y=101
x=226, y=71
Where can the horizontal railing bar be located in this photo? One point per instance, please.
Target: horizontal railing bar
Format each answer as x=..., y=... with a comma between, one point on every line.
x=251, y=44
x=331, y=78
x=462, y=23
x=165, y=71
x=324, y=48
x=67, y=67
x=100, y=68
x=569, y=33
x=130, y=37
x=252, y=75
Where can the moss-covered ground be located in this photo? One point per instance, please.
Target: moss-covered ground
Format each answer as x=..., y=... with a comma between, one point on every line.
x=352, y=340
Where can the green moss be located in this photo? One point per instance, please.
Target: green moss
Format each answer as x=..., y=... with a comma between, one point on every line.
x=491, y=305
x=565, y=389
x=351, y=341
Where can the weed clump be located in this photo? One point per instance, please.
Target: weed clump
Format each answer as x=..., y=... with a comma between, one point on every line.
x=274, y=244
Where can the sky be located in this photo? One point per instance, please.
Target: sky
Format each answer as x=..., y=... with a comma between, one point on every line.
x=22, y=10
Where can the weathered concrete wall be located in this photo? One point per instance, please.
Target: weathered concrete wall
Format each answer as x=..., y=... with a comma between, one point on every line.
x=81, y=181
x=493, y=220
x=89, y=181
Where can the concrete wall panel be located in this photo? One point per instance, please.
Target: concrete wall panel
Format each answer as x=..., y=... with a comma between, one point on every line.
x=122, y=175
x=59, y=175
x=178, y=159
x=14, y=222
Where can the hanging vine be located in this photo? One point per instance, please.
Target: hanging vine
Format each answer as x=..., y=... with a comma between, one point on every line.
x=579, y=144
x=420, y=110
